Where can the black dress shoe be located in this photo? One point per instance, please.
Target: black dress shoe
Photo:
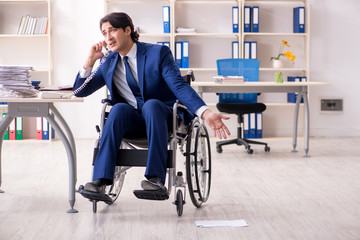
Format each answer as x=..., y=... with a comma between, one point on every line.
x=97, y=186
x=153, y=184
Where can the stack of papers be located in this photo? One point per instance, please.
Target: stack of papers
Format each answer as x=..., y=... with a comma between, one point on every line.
x=185, y=30
x=14, y=82
x=229, y=79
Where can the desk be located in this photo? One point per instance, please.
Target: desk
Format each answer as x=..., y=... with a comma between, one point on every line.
x=256, y=87
x=37, y=107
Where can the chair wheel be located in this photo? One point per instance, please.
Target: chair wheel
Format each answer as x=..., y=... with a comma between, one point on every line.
x=219, y=149
x=250, y=151
x=267, y=149
x=179, y=203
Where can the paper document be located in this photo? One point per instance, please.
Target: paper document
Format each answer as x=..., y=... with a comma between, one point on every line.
x=185, y=30
x=221, y=223
x=229, y=79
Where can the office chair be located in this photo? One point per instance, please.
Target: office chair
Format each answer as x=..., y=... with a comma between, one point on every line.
x=242, y=103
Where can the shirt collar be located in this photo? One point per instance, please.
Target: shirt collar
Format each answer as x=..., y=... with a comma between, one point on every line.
x=132, y=53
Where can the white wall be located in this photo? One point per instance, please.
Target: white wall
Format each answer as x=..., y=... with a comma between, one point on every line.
x=335, y=39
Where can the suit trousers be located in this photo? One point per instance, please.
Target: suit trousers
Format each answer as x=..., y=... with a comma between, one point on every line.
x=125, y=121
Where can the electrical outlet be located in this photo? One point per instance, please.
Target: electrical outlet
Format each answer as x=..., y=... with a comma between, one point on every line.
x=331, y=104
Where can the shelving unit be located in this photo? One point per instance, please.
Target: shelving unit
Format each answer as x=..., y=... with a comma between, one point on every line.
x=213, y=37
x=34, y=50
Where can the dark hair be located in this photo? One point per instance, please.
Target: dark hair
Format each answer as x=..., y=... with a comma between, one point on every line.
x=120, y=20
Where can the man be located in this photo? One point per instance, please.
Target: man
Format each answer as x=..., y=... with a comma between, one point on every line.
x=144, y=82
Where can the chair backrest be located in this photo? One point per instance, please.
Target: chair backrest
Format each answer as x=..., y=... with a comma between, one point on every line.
x=248, y=68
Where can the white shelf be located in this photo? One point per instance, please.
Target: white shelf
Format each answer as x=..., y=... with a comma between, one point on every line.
x=23, y=1
x=225, y=35
x=260, y=34
x=24, y=36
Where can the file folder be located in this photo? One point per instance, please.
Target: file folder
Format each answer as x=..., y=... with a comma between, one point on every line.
x=252, y=127
x=246, y=125
x=235, y=19
x=6, y=136
x=247, y=47
x=166, y=19
x=255, y=19
x=253, y=50
x=299, y=20
x=247, y=19
x=19, y=128
x=12, y=130
x=185, y=54
x=259, y=126
x=178, y=52
x=45, y=129
x=39, y=128
x=235, y=49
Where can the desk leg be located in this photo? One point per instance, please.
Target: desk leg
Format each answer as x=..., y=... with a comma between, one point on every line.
x=68, y=132
x=307, y=121
x=296, y=118
x=71, y=162
x=4, y=124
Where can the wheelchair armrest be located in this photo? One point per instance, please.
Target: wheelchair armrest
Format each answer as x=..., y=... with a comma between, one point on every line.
x=106, y=100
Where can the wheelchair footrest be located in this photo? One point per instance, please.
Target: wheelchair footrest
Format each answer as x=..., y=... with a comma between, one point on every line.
x=151, y=195
x=92, y=196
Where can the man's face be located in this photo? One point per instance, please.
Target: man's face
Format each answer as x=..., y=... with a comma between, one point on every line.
x=117, y=39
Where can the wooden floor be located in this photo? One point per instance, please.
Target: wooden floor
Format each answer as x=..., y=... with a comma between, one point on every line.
x=281, y=195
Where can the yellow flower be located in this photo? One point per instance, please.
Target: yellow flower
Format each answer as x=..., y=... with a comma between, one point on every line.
x=285, y=43
x=288, y=54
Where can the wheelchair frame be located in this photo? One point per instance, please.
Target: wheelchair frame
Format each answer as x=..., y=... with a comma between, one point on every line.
x=198, y=162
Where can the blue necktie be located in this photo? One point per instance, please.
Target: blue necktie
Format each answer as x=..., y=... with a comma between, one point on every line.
x=132, y=84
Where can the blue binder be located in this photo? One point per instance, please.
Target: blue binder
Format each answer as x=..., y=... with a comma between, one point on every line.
x=185, y=54
x=235, y=19
x=247, y=50
x=253, y=50
x=291, y=97
x=259, y=125
x=252, y=128
x=45, y=129
x=235, y=49
x=299, y=20
x=247, y=19
x=178, y=53
x=166, y=19
x=255, y=19
x=246, y=126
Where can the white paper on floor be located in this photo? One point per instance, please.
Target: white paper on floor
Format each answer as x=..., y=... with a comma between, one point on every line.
x=221, y=223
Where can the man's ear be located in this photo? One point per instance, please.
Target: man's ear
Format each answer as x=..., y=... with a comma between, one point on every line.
x=128, y=30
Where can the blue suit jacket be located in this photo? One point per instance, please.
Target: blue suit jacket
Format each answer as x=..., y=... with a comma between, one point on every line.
x=159, y=78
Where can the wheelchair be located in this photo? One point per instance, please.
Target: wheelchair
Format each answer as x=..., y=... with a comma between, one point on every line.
x=194, y=144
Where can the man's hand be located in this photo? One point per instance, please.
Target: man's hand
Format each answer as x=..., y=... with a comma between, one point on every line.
x=94, y=54
x=214, y=120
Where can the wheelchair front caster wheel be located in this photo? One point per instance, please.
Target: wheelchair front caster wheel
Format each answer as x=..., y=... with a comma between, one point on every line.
x=267, y=149
x=179, y=202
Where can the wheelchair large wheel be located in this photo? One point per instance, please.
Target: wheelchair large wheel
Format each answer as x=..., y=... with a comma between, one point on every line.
x=114, y=190
x=198, y=164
